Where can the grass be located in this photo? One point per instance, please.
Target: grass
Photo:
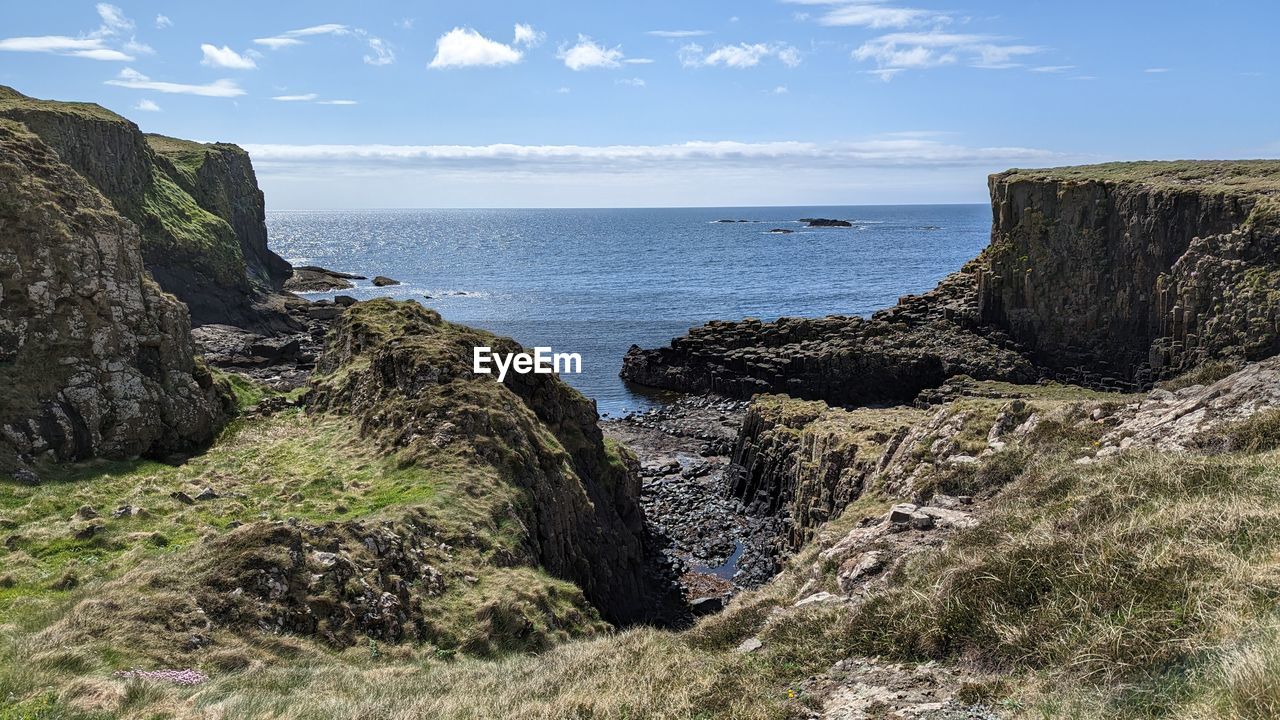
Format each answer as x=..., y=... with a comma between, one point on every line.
x=175, y=227
x=1229, y=176
x=1204, y=374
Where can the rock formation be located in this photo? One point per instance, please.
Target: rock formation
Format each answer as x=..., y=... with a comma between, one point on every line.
x=889, y=357
x=1136, y=270
x=1110, y=275
x=197, y=207
x=94, y=358
x=806, y=462
x=406, y=375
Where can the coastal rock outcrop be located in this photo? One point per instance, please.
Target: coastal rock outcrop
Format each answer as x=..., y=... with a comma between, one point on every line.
x=1136, y=270
x=889, y=357
x=95, y=360
x=405, y=374
x=197, y=208
x=1111, y=275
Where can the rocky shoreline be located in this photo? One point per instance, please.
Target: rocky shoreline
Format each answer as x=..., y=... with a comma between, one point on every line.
x=715, y=545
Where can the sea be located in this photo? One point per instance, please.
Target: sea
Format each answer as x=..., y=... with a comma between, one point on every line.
x=596, y=281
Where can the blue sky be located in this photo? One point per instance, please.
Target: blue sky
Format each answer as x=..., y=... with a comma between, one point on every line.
x=517, y=104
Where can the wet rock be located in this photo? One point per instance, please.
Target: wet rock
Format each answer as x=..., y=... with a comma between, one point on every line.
x=384, y=281
x=310, y=278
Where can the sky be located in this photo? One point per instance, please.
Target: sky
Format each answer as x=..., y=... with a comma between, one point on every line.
x=696, y=103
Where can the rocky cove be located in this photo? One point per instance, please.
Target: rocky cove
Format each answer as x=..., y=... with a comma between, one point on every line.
x=836, y=517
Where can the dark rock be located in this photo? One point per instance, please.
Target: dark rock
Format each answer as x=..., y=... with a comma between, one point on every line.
x=311, y=278
x=781, y=231
x=182, y=497
x=207, y=494
x=825, y=222
x=384, y=281
x=707, y=605
x=344, y=300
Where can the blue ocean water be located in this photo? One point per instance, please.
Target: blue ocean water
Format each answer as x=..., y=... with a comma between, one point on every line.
x=595, y=281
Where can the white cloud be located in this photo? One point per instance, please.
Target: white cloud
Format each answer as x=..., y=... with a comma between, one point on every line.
x=1156, y=70
x=780, y=90
x=131, y=78
x=337, y=102
x=563, y=90
x=678, y=33
x=163, y=21
x=140, y=48
x=742, y=55
x=147, y=106
x=95, y=45
x=275, y=43
x=897, y=52
x=873, y=171
x=633, y=82
x=291, y=37
x=875, y=14
x=114, y=21
x=380, y=51
x=307, y=97
x=405, y=23
x=382, y=54
x=1053, y=68
x=225, y=57
x=464, y=47
x=525, y=35
x=589, y=54
x=875, y=152
x=639, y=61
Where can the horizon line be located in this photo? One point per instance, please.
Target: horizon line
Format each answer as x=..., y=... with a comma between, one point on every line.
x=622, y=207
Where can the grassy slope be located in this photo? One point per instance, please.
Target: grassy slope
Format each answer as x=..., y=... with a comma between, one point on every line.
x=1143, y=585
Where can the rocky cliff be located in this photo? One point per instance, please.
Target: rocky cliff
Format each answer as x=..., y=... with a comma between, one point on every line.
x=197, y=207
x=1112, y=275
x=889, y=357
x=1136, y=270
x=806, y=462
x=94, y=358
x=405, y=374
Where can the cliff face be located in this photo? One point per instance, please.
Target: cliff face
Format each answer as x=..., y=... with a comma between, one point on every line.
x=94, y=358
x=197, y=207
x=805, y=462
x=1136, y=270
x=405, y=375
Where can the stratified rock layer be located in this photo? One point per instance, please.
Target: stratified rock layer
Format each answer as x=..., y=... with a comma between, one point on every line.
x=406, y=375
x=94, y=358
